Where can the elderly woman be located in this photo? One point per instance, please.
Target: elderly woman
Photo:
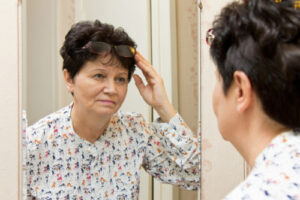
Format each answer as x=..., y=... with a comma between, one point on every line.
x=90, y=149
x=256, y=47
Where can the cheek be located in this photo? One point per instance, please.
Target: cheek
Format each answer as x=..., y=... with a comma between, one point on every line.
x=92, y=90
x=215, y=101
x=123, y=92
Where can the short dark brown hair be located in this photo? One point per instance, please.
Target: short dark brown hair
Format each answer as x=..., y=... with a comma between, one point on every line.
x=73, y=54
x=262, y=39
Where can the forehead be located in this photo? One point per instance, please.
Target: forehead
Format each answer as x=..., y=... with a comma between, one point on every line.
x=107, y=63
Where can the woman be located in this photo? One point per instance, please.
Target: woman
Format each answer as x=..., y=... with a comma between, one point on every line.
x=256, y=47
x=90, y=149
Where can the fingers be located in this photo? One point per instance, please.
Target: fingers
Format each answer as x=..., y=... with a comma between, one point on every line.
x=139, y=57
x=144, y=65
x=138, y=82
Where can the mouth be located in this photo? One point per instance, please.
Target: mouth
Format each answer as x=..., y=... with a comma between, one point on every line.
x=107, y=102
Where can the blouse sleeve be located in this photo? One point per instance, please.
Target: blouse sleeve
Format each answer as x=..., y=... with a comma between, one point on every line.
x=172, y=153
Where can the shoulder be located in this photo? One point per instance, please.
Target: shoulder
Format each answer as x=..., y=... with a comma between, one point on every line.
x=277, y=173
x=283, y=155
x=131, y=123
x=132, y=118
x=265, y=183
x=40, y=130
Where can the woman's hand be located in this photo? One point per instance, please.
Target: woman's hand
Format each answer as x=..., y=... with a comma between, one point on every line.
x=154, y=93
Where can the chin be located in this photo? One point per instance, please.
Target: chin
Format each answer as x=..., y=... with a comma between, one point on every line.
x=106, y=111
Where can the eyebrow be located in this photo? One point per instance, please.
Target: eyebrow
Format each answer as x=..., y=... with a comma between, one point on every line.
x=124, y=73
x=104, y=70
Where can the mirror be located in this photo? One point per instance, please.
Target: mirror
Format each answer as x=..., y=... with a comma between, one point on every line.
x=45, y=24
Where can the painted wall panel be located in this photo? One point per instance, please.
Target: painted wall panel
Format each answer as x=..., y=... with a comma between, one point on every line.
x=10, y=99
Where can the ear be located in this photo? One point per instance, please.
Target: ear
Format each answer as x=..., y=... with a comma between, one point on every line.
x=68, y=80
x=243, y=91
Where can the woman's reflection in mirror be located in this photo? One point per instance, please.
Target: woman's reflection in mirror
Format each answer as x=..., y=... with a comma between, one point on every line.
x=92, y=150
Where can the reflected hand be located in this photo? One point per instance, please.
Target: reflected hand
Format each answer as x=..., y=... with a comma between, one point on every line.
x=154, y=93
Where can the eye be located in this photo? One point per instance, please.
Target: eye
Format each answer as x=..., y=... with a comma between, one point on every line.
x=121, y=80
x=99, y=76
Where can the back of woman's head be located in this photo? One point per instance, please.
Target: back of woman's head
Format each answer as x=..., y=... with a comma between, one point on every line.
x=262, y=39
x=75, y=56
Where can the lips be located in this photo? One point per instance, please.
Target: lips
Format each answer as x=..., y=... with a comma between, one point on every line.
x=108, y=102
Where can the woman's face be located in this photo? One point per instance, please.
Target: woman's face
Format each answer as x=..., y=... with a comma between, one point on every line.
x=100, y=89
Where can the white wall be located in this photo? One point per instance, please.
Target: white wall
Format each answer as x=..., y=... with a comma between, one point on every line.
x=41, y=59
x=10, y=100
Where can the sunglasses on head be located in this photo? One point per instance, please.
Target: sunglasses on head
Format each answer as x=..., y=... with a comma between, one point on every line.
x=100, y=48
x=209, y=37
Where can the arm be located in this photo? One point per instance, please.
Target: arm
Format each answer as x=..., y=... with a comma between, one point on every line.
x=172, y=154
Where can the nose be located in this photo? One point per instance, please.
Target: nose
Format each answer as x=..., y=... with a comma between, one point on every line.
x=110, y=87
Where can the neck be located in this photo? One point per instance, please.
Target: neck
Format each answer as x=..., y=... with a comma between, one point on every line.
x=88, y=125
x=254, y=136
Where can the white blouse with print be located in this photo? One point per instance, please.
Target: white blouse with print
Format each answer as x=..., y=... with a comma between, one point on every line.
x=276, y=173
x=61, y=165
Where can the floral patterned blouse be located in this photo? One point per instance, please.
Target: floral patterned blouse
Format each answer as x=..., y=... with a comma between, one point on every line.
x=276, y=173
x=61, y=165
